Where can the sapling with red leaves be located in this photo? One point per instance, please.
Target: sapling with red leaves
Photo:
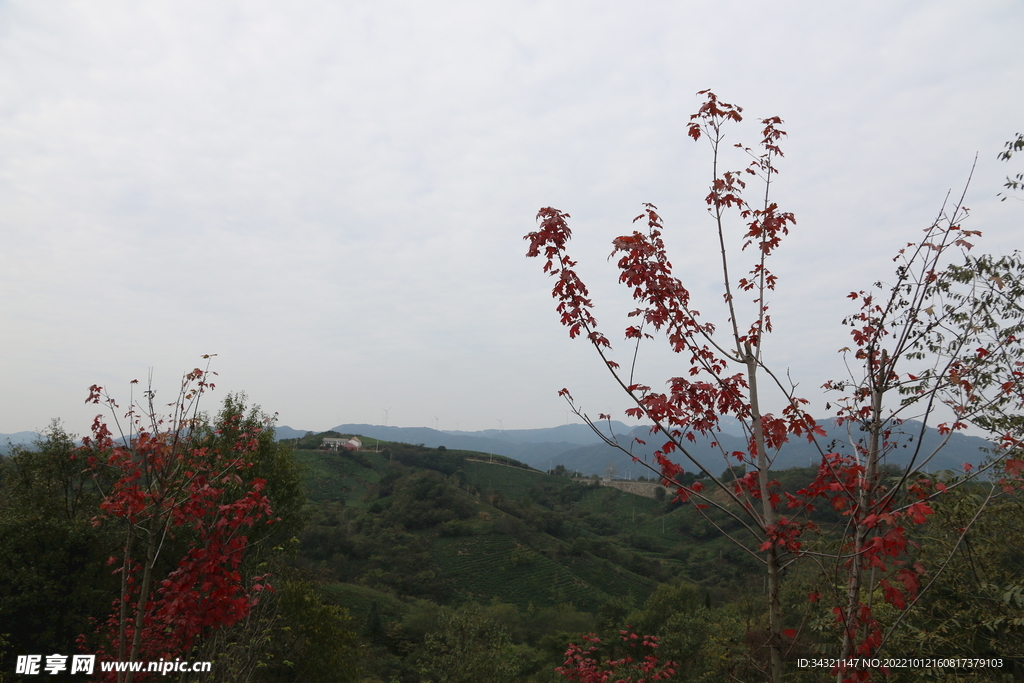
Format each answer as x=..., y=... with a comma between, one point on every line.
x=942, y=335
x=172, y=488
x=939, y=336
x=586, y=666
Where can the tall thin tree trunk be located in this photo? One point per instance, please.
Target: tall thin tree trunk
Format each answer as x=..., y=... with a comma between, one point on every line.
x=865, y=495
x=768, y=512
x=123, y=609
x=147, y=577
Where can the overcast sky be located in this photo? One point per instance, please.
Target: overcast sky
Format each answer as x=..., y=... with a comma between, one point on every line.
x=332, y=196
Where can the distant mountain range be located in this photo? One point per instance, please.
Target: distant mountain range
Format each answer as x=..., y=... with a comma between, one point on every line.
x=539, y=448
x=798, y=452
x=578, y=448
x=16, y=439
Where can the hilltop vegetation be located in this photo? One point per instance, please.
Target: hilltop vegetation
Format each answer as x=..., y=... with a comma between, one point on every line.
x=412, y=534
x=419, y=564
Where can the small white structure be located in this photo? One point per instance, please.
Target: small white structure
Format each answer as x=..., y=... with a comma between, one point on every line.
x=353, y=444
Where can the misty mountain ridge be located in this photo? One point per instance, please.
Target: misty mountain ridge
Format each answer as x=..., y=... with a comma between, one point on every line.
x=798, y=452
x=577, y=447
x=16, y=439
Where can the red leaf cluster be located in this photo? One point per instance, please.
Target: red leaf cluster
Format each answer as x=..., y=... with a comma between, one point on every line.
x=586, y=666
x=169, y=488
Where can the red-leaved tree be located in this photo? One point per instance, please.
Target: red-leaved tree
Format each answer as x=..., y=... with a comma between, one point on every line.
x=171, y=490
x=939, y=340
x=586, y=666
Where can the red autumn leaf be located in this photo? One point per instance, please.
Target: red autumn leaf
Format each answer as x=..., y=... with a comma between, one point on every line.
x=919, y=511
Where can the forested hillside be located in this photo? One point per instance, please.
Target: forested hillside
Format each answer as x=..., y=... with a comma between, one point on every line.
x=415, y=564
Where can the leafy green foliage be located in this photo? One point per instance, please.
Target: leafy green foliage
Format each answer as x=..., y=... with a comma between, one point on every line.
x=313, y=641
x=291, y=636
x=975, y=607
x=53, y=572
x=468, y=647
x=269, y=460
x=1012, y=146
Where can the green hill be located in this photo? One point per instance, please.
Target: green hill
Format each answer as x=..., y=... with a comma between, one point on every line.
x=458, y=526
x=408, y=538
